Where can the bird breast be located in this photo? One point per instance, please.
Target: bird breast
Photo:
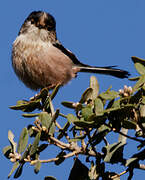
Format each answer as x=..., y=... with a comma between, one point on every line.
x=39, y=64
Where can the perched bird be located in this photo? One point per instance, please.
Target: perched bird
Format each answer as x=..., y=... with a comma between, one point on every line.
x=40, y=60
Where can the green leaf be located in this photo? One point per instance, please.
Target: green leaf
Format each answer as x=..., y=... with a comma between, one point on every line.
x=113, y=152
x=35, y=144
x=98, y=106
x=128, y=124
x=37, y=167
x=95, y=86
x=139, y=83
x=11, y=140
x=31, y=131
x=45, y=119
x=109, y=94
x=71, y=118
x=52, y=129
x=139, y=64
x=26, y=153
x=140, y=68
x=6, y=151
x=49, y=178
x=23, y=140
x=60, y=157
x=15, y=165
x=86, y=95
x=87, y=112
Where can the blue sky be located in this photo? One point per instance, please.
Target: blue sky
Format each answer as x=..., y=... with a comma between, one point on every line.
x=99, y=32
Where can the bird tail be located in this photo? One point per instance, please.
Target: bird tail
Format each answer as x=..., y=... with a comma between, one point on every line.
x=108, y=70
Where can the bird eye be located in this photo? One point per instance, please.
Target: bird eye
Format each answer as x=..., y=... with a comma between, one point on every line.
x=32, y=21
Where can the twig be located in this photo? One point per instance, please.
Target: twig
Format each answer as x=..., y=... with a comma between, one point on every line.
x=58, y=142
x=130, y=137
x=118, y=175
x=62, y=115
x=55, y=159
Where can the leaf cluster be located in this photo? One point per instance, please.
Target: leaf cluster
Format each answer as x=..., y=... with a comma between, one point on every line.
x=95, y=116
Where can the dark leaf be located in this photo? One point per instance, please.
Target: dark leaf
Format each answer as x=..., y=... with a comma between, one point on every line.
x=134, y=78
x=63, y=130
x=79, y=171
x=54, y=92
x=43, y=93
x=45, y=119
x=61, y=158
x=68, y=104
x=102, y=132
x=84, y=124
x=25, y=154
x=37, y=167
x=129, y=124
x=31, y=131
x=15, y=165
x=30, y=115
x=42, y=147
x=55, y=116
x=6, y=151
x=35, y=144
x=27, y=106
x=49, y=178
x=137, y=59
x=23, y=140
x=86, y=95
x=18, y=171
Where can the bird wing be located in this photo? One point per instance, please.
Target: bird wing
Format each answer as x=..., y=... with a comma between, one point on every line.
x=49, y=67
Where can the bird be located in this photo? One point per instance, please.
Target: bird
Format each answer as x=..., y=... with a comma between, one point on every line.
x=41, y=61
